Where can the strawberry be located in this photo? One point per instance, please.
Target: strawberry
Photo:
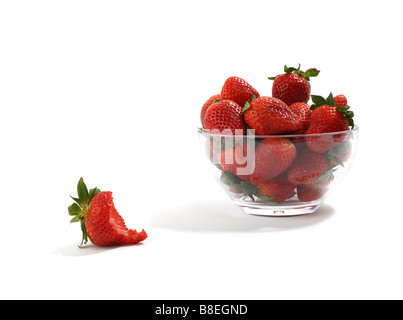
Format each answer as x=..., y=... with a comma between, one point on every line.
x=278, y=190
x=206, y=105
x=340, y=153
x=303, y=111
x=273, y=157
x=238, y=90
x=224, y=115
x=237, y=158
x=267, y=116
x=100, y=222
x=340, y=100
x=327, y=118
x=308, y=167
x=310, y=192
x=293, y=86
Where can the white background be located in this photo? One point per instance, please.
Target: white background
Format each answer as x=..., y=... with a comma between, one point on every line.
x=112, y=90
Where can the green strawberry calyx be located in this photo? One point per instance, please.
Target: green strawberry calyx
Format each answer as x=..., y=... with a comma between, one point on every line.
x=79, y=208
x=345, y=111
x=312, y=72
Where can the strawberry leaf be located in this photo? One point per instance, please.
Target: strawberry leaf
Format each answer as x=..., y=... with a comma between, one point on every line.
x=318, y=100
x=75, y=219
x=311, y=73
x=245, y=107
x=82, y=192
x=75, y=210
x=85, y=236
x=330, y=100
x=76, y=200
x=326, y=176
x=265, y=199
x=249, y=187
x=230, y=179
x=291, y=69
x=93, y=193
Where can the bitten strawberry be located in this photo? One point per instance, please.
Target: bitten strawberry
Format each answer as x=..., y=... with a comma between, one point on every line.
x=327, y=118
x=224, y=115
x=267, y=116
x=100, y=222
x=207, y=105
x=273, y=157
x=278, y=190
x=293, y=86
x=238, y=90
x=308, y=167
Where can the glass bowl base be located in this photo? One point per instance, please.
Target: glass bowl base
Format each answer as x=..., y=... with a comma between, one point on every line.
x=278, y=211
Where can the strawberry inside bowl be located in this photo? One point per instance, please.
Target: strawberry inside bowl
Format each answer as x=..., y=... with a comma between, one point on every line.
x=277, y=155
x=278, y=175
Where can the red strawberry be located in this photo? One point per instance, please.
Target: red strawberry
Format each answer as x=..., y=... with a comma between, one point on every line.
x=206, y=105
x=238, y=90
x=237, y=157
x=327, y=118
x=267, y=116
x=303, y=111
x=340, y=100
x=342, y=151
x=213, y=149
x=224, y=115
x=273, y=157
x=279, y=189
x=308, y=167
x=100, y=222
x=293, y=86
x=310, y=192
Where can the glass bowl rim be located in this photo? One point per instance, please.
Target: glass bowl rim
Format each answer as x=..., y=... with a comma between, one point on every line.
x=300, y=135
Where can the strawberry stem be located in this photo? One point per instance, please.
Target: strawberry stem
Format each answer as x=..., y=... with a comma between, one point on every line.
x=80, y=208
x=312, y=72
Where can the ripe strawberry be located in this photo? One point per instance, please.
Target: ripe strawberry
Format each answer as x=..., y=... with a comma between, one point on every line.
x=213, y=149
x=293, y=86
x=273, y=157
x=342, y=151
x=327, y=118
x=340, y=100
x=238, y=90
x=279, y=189
x=224, y=115
x=310, y=192
x=308, y=167
x=206, y=105
x=267, y=116
x=236, y=158
x=100, y=222
x=303, y=111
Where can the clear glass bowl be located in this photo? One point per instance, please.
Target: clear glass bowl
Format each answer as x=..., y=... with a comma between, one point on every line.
x=278, y=175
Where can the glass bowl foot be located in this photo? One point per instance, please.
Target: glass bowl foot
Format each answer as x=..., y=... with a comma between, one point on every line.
x=278, y=211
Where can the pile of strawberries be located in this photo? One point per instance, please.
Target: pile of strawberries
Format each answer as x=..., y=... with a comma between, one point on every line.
x=303, y=163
